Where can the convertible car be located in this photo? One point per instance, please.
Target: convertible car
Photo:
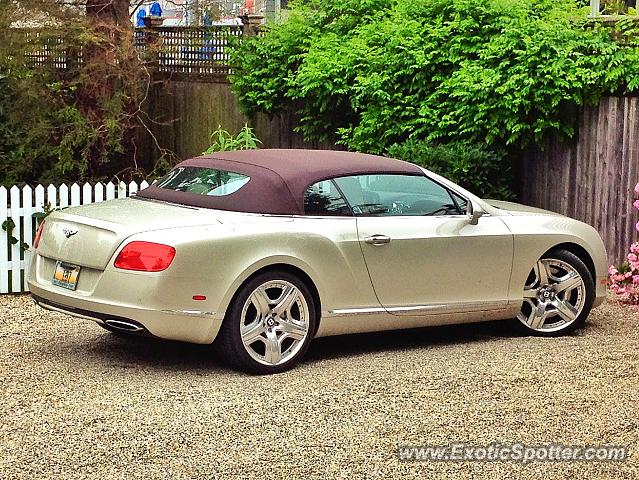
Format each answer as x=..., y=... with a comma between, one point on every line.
x=258, y=252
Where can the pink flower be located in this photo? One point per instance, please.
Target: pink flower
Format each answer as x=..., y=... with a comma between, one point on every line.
x=626, y=284
x=618, y=277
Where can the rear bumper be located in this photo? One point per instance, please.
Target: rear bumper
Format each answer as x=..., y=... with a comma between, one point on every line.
x=119, y=323
x=187, y=326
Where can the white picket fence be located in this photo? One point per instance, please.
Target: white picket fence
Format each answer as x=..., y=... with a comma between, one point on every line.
x=19, y=205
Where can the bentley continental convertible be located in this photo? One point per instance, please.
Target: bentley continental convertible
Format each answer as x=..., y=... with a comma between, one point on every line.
x=258, y=252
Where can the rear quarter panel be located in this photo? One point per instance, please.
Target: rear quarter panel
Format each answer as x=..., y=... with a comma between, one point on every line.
x=216, y=260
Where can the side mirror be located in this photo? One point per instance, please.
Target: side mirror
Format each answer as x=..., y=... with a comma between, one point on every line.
x=474, y=212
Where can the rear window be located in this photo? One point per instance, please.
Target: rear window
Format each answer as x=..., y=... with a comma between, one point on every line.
x=203, y=181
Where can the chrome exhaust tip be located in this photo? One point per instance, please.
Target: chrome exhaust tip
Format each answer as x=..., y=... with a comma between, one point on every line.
x=124, y=326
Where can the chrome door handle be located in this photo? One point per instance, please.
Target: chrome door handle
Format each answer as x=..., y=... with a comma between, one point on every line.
x=377, y=240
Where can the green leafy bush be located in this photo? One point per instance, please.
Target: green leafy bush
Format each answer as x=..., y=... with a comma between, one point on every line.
x=474, y=167
x=43, y=134
x=374, y=73
x=73, y=123
x=223, y=141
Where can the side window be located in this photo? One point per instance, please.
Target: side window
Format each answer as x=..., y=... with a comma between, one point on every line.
x=323, y=198
x=394, y=195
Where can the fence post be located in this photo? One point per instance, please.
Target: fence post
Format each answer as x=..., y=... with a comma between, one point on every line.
x=251, y=24
x=5, y=267
x=16, y=261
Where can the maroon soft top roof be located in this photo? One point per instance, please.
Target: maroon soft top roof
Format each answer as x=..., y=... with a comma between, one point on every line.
x=279, y=178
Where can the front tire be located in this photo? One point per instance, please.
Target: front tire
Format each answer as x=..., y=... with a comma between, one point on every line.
x=269, y=325
x=558, y=295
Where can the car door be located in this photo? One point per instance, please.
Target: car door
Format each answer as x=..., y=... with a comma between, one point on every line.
x=347, y=286
x=422, y=253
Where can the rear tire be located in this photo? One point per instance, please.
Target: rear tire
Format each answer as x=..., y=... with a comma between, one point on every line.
x=269, y=325
x=558, y=295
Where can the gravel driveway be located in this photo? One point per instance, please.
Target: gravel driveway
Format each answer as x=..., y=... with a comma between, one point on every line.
x=79, y=402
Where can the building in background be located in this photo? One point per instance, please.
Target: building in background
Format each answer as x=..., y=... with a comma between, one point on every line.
x=173, y=11
x=194, y=12
x=269, y=8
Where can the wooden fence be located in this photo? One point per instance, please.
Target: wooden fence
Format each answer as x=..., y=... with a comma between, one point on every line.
x=47, y=50
x=592, y=178
x=184, y=113
x=169, y=51
x=190, y=50
x=17, y=207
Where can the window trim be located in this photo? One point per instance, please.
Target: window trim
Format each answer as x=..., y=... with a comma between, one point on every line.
x=326, y=215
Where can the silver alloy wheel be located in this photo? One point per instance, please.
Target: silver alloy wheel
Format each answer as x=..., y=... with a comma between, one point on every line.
x=274, y=322
x=554, y=296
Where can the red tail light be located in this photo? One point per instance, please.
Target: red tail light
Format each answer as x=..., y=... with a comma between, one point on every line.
x=145, y=257
x=36, y=241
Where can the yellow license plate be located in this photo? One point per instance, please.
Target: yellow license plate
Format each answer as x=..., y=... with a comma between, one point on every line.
x=66, y=275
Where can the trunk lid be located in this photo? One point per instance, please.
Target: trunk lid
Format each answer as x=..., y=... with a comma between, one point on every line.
x=89, y=235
